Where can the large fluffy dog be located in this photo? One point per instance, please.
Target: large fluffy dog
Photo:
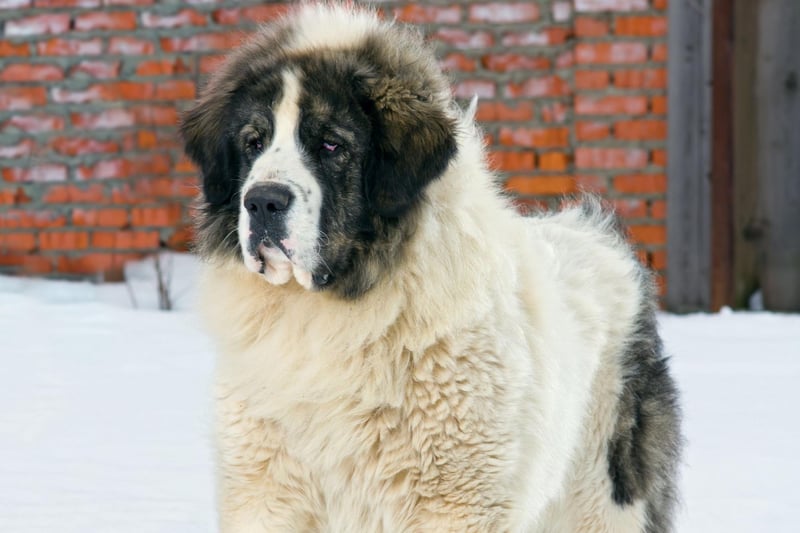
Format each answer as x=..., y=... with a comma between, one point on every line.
x=400, y=350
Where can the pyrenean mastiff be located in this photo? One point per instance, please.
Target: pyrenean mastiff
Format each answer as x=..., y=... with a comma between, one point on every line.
x=399, y=349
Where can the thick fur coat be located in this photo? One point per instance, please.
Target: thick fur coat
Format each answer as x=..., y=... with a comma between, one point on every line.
x=399, y=350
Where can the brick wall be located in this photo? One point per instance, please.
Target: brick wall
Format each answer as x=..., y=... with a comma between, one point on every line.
x=572, y=96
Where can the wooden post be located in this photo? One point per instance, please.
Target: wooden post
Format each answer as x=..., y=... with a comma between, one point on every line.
x=688, y=152
x=722, y=155
x=778, y=96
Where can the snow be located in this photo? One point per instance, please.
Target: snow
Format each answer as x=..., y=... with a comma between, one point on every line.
x=105, y=424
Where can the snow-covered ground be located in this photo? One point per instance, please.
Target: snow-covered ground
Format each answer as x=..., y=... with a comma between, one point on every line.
x=104, y=424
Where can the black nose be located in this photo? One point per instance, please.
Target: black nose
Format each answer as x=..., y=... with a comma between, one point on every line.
x=264, y=202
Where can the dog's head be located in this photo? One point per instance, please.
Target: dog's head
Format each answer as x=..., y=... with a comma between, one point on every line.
x=316, y=140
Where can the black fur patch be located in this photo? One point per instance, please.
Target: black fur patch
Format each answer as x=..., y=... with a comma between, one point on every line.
x=644, y=452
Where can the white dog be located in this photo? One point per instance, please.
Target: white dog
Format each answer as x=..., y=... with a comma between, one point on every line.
x=399, y=349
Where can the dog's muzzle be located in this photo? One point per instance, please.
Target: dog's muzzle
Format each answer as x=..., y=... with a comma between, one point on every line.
x=268, y=206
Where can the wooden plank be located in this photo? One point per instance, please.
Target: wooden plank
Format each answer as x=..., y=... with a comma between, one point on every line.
x=722, y=155
x=688, y=165
x=778, y=95
x=748, y=226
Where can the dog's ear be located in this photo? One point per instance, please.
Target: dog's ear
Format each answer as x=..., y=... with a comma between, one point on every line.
x=208, y=143
x=413, y=142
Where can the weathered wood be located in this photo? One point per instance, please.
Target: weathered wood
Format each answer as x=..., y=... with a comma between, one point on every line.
x=778, y=95
x=722, y=155
x=688, y=194
x=747, y=222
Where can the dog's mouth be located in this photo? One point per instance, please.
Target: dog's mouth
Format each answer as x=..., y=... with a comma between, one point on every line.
x=278, y=264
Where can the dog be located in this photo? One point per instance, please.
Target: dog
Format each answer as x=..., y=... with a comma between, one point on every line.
x=399, y=349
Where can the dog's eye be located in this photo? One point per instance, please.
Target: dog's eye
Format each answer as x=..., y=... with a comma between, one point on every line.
x=255, y=145
x=329, y=147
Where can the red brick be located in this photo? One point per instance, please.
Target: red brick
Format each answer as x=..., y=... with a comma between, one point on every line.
x=31, y=72
x=23, y=148
x=640, y=26
x=97, y=69
x=106, y=218
x=659, y=158
x=108, y=264
x=640, y=183
x=470, y=88
x=19, y=98
x=458, y=62
x=660, y=5
x=630, y=207
x=590, y=27
x=591, y=79
x=49, y=23
x=423, y=14
x=163, y=67
x=27, y=264
x=658, y=209
x=26, y=219
x=554, y=112
x=640, y=130
x=541, y=185
x=500, y=111
x=586, y=157
x=70, y=47
x=528, y=38
x=34, y=123
x=210, y=63
x=462, y=39
x=69, y=194
x=201, y=43
x=62, y=96
x=105, y=21
x=511, y=160
x=513, y=62
x=67, y=3
x=108, y=119
x=63, y=240
x=38, y=173
x=535, y=137
x=593, y=6
x=183, y=165
x=181, y=239
x=659, y=53
x=156, y=115
x=610, y=105
x=648, y=234
x=257, y=13
x=591, y=131
x=553, y=161
x=73, y=146
x=14, y=4
x=125, y=239
x=161, y=188
x=651, y=78
x=184, y=17
x=17, y=242
x=562, y=10
x=165, y=216
x=503, y=13
x=127, y=167
x=130, y=46
x=9, y=49
x=14, y=197
x=610, y=53
x=538, y=87
x=658, y=105
x=658, y=259
x=176, y=90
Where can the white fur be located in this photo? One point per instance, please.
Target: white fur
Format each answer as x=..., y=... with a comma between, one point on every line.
x=282, y=162
x=472, y=389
